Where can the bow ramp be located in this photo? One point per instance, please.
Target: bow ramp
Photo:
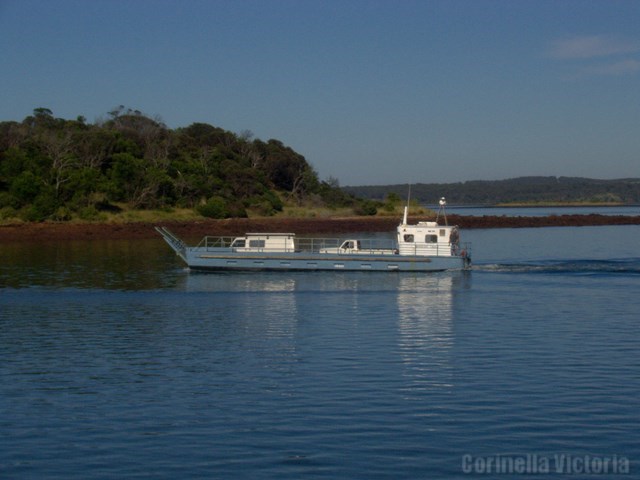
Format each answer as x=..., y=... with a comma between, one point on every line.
x=174, y=242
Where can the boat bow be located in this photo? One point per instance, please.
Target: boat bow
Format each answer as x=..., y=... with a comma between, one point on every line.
x=174, y=242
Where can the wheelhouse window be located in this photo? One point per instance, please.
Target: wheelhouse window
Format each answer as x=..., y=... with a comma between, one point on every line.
x=431, y=239
x=238, y=243
x=408, y=238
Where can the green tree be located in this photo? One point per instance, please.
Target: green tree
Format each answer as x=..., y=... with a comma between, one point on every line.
x=78, y=168
x=26, y=187
x=392, y=201
x=366, y=207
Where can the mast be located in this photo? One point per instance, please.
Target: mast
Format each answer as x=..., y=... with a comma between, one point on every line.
x=406, y=208
x=443, y=204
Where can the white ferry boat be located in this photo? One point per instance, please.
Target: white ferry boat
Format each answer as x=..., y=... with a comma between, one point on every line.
x=423, y=247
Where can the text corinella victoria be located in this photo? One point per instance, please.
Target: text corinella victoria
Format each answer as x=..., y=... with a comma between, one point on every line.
x=541, y=464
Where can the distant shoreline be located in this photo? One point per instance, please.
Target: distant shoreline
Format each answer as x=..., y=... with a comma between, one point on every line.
x=194, y=230
x=559, y=204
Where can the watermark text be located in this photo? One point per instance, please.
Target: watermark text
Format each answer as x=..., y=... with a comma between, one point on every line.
x=564, y=464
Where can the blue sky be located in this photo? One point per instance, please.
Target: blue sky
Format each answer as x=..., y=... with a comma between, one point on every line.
x=370, y=92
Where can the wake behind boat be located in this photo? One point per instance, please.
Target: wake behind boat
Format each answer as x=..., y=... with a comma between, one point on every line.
x=423, y=247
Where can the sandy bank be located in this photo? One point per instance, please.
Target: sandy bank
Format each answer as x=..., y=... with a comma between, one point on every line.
x=196, y=229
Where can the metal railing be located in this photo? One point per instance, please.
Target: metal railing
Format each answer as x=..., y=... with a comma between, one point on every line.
x=334, y=245
x=215, y=242
x=174, y=242
x=304, y=244
x=436, y=249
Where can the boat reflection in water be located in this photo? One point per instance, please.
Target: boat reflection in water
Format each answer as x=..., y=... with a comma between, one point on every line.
x=409, y=287
x=425, y=324
x=414, y=308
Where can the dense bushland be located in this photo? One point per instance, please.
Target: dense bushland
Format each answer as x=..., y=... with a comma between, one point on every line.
x=57, y=169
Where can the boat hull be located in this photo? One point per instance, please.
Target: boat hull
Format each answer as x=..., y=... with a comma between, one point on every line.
x=202, y=259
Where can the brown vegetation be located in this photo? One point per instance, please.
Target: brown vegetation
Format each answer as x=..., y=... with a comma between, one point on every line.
x=194, y=230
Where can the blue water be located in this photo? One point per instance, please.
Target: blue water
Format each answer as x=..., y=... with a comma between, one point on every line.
x=118, y=363
x=541, y=211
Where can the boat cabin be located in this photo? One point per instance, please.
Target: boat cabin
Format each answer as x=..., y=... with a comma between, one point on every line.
x=428, y=238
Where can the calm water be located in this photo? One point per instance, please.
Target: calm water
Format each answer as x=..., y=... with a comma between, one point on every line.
x=541, y=211
x=117, y=363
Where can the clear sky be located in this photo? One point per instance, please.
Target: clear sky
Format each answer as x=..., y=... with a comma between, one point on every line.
x=370, y=92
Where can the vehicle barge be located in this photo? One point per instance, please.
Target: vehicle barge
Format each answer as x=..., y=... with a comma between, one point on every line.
x=421, y=247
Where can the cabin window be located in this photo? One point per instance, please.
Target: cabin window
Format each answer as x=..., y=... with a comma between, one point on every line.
x=442, y=232
x=238, y=243
x=431, y=239
x=408, y=238
x=256, y=243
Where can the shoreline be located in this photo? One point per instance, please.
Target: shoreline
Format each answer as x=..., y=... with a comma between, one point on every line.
x=195, y=230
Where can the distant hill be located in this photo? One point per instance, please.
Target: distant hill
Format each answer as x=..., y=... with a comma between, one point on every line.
x=514, y=190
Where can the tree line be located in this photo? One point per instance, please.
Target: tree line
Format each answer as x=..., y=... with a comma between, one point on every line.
x=57, y=169
x=528, y=190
